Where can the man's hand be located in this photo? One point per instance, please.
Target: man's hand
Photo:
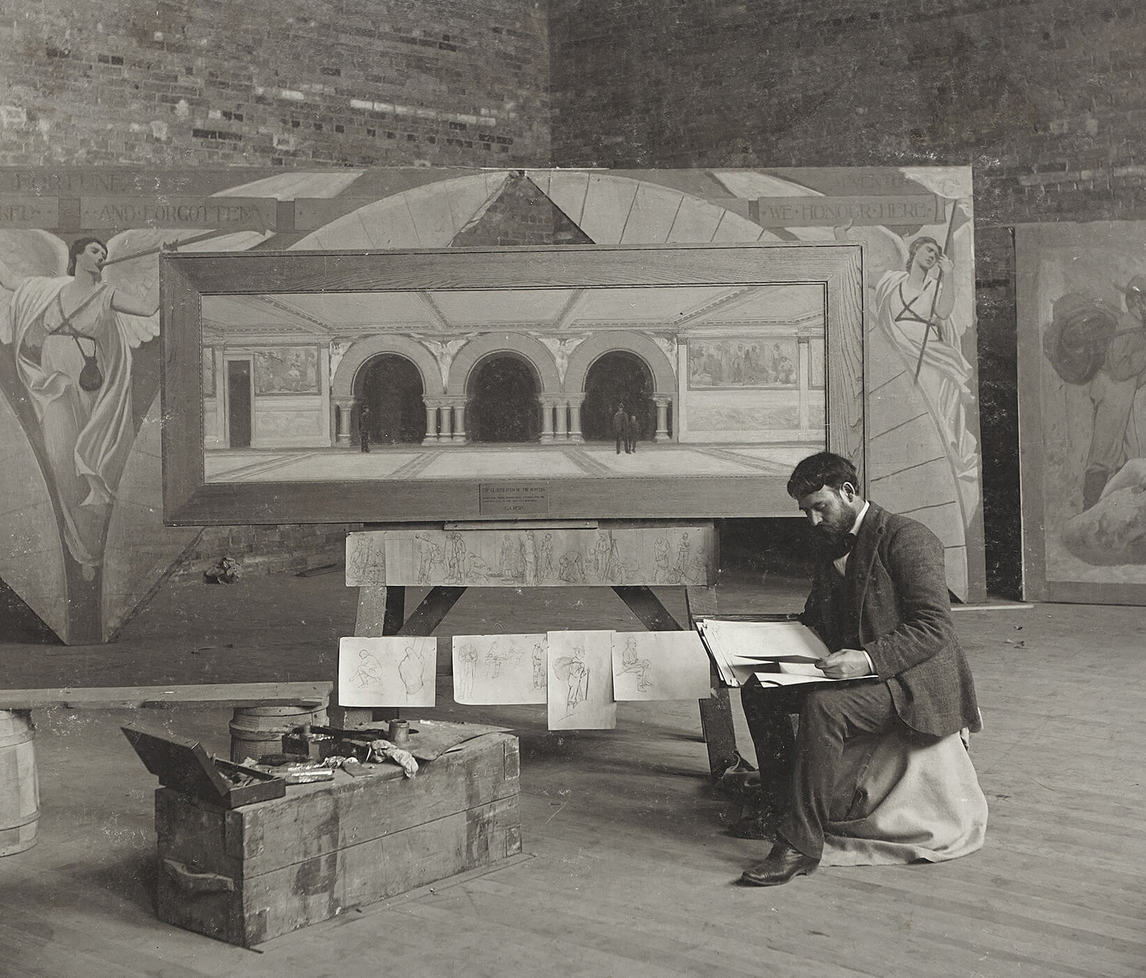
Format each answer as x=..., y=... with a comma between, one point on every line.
x=845, y=664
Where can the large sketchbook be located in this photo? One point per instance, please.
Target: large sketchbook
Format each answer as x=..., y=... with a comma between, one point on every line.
x=777, y=653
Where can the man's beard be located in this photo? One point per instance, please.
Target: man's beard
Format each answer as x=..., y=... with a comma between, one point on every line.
x=833, y=532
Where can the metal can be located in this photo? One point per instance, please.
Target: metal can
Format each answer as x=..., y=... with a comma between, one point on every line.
x=399, y=732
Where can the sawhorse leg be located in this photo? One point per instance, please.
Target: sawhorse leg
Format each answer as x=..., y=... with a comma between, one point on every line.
x=716, y=711
x=382, y=611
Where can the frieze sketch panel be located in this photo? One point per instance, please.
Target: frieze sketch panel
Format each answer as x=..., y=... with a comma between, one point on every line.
x=1082, y=410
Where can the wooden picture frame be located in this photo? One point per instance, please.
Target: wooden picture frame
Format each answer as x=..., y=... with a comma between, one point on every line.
x=203, y=295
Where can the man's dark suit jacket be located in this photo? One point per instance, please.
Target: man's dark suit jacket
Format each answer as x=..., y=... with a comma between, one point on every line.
x=895, y=573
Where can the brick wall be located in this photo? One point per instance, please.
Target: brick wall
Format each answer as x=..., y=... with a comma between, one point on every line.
x=286, y=82
x=1043, y=97
x=257, y=83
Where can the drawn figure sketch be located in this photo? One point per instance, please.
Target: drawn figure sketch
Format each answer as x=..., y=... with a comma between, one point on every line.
x=387, y=671
x=412, y=670
x=633, y=665
x=659, y=666
x=368, y=671
x=498, y=669
x=70, y=338
x=365, y=560
x=465, y=670
x=545, y=570
x=580, y=683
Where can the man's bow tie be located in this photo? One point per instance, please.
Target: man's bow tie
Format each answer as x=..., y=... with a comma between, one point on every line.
x=842, y=547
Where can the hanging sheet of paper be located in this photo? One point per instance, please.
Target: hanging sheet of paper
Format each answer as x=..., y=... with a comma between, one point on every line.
x=500, y=669
x=580, y=687
x=659, y=666
x=389, y=671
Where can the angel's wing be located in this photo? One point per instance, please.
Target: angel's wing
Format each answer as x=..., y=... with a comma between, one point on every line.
x=33, y=252
x=29, y=253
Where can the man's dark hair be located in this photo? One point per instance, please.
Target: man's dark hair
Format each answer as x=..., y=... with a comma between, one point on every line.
x=819, y=470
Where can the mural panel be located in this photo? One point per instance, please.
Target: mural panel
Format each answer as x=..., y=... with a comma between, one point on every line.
x=1082, y=411
x=68, y=533
x=284, y=370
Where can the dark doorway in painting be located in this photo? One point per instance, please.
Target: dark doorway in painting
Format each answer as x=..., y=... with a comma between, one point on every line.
x=503, y=405
x=616, y=378
x=239, y=403
x=392, y=387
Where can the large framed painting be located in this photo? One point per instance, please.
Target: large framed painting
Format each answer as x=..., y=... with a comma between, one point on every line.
x=489, y=384
x=1082, y=410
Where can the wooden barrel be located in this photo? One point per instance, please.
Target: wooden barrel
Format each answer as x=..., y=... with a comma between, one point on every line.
x=19, y=784
x=258, y=730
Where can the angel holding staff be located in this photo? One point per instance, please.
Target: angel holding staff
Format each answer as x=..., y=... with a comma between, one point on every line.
x=915, y=308
x=71, y=338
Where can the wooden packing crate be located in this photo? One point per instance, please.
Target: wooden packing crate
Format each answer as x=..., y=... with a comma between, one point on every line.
x=251, y=873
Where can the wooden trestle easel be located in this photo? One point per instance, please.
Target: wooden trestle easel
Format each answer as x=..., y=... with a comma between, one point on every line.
x=630, y=558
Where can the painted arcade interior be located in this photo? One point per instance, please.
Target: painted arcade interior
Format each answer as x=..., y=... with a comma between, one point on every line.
x=452, y=383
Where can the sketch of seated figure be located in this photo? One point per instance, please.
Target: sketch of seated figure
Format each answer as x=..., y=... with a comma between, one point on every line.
x=573, y=672
x=632, y=663
x=476, y=569
x=369, y=671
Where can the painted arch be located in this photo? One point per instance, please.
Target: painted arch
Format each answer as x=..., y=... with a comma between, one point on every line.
x=622, y=341
x=526, y=347
x=363, y=351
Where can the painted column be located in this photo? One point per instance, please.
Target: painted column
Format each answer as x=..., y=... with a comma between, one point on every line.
x=546, y=419
x=346, y=406
x=447, y=424
x=562, y=433
x=804, y=373
x=458, y=410
x=575, y=418
x=662, y=402
x=431, y=422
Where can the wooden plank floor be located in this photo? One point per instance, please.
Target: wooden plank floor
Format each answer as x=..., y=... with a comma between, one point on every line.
x=627, y=870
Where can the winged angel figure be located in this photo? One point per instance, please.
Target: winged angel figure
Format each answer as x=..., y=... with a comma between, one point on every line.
x=67, y=332
x=914, y=287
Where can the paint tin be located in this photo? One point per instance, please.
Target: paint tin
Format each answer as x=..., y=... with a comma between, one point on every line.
x=400, y=732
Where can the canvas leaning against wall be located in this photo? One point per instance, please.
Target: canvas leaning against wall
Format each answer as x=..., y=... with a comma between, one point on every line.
x=1082, y=410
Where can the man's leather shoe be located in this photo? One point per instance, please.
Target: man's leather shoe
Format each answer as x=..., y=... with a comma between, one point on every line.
x=760, y=825
x=782, y=864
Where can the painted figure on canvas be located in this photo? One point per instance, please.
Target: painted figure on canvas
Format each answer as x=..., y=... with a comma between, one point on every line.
x=915, y=307
x=71, y=337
